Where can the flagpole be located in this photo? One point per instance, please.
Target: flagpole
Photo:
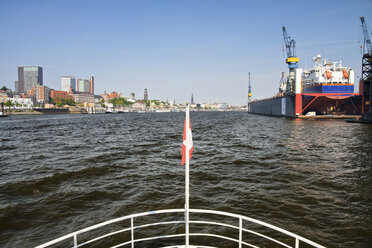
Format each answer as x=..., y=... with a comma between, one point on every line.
x=187, y=177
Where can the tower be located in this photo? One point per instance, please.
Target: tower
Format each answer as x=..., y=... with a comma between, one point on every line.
x=192, y=98
x=83, y=85
x=68, y=82
x=145, y=95
x=91, y=85
x=28, y=77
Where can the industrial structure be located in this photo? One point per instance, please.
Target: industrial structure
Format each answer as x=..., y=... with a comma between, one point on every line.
x=249, y=90
x=292, y=61
x=325, y=90
x=366, y=82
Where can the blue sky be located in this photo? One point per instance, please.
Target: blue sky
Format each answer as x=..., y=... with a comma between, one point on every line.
x=176, y=48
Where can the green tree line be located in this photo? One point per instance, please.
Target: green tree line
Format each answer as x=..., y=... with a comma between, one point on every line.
x=120, y=101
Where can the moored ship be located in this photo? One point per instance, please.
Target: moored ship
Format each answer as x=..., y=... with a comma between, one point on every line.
x=326, y=90
x=328, y=77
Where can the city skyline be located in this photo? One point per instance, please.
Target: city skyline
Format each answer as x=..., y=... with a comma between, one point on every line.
x=177, y=48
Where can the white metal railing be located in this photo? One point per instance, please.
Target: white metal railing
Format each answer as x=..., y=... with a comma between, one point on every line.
x=240, y=219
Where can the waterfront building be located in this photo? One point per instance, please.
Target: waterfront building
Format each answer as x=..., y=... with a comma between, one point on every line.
x=131, y=98
x=22, y=103
x=18, y=101
x=105, y=96
x=97, y=99
x=83, y=85
x=139, y=105
x=59, y=94
x=145, y=95
x=28, y=77
x=68, y=82
x=3, y=96
x=42, y=94
x=80, y=97
x=114, y=94
x=91, y=85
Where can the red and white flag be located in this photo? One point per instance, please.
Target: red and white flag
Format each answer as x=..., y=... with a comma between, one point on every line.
x=187, y=145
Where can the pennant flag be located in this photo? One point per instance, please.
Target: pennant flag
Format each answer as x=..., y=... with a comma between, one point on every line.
x=187, y=144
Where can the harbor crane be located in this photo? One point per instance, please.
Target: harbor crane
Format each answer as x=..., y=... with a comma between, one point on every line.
x=249, y=91
x=366, y=74
x=290, y=45
x=292, y=61
x=367, y=41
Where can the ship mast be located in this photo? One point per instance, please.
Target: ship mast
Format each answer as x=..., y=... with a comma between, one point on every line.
x=249, y=90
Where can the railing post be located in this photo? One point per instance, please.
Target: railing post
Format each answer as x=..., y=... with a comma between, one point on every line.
x=75, y=241
x=297, y=245
x=240, y=232
x=132, y=231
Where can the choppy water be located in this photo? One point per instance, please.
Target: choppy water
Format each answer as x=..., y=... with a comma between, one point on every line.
x=62, y=173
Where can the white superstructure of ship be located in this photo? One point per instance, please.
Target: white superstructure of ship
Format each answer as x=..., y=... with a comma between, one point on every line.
x=328, y=77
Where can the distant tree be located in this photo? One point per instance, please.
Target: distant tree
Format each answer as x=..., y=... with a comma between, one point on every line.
x=9, y=103
x=147, y=102
x=51, y=100
x=120, y=101
x=60, y=102
x=4, y=88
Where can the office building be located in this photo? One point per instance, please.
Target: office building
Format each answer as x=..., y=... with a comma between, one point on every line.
x=83, y=85
x=68, y=82
x=28, y=77
x=17, y=87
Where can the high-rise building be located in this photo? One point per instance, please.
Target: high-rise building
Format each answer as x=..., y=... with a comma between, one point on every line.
x=42, y=94
x=145, y=95
x=17, y=87
x=91, y=85
x=192, y=98
x=68, y=82
x=28, y=77
x=83, y=85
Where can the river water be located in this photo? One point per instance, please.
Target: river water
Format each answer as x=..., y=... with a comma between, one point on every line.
x=61, y=173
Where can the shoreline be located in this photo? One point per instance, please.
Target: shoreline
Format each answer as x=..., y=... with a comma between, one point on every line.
x=23, y=113
x=78, y=112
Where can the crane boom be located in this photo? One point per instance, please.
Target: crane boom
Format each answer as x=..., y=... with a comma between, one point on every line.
x=367, y=40
x=290, y=45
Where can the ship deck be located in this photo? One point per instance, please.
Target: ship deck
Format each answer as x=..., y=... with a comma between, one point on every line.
x=329, y=117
